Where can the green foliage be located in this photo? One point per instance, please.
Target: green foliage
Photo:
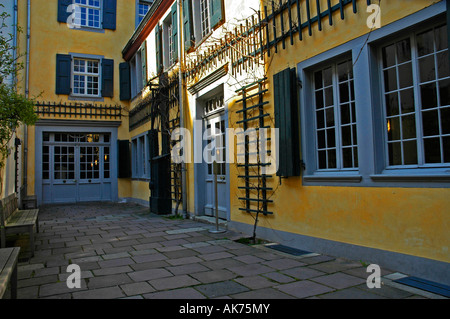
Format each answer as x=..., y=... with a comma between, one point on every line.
x=15, y=108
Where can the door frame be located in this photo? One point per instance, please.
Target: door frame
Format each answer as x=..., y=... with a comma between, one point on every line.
x=68, y=126
x=199, y=168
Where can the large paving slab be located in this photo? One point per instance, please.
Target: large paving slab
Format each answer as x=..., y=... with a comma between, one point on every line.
x=123, y=251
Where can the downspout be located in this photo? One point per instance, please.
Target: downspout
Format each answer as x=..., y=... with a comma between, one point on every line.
x=27, y=93
x=15, y=37
x=181, y=102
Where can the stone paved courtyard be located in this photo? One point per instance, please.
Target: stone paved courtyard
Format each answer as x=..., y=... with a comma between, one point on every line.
x=125, y=252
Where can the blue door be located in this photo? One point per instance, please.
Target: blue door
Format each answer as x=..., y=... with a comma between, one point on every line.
x=76, y=167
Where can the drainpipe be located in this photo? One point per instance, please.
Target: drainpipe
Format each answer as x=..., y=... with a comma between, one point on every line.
x=15, y=37
x=27, y=78
x=181, y=102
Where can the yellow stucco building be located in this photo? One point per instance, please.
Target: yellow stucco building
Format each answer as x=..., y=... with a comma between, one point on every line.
x=358, y=90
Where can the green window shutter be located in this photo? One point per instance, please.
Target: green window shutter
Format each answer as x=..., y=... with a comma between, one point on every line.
x=107, y=78
x=188, y=32
x=286, y=120
x=63, y=74
x=158, y=48
x=125, y=81
x=144, y=63
x=216, y=12
x=175, y=30
x=124, y=159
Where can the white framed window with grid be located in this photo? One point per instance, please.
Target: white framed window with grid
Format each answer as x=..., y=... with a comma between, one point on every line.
x=86, y=77
x=415, y=78
x=335, y=117
x=143, y=8
x=88, y=13
x=204, y=17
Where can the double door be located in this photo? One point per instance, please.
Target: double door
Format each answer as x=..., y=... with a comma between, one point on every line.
x=76, y=167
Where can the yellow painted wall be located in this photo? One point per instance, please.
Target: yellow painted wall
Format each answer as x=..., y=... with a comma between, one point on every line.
x=49, y=38
x=413, y=221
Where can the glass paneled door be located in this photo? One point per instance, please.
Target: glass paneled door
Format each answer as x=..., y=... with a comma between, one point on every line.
x=76, y=167
x=215, y=150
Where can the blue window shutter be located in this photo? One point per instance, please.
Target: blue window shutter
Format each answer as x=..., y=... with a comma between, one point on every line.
x=188, y=32
x=125, y=81
x=216, y=12
x=107, y=78
x=109, y=14
x=63, y=15
x=63, y=74
x=286, y=120
x=175, y=29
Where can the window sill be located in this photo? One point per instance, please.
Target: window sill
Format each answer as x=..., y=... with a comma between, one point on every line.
x=86, y=98
x=342, y=178
x=411, y=177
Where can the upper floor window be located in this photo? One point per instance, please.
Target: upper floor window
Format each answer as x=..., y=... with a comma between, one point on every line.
x=86, y=77
x=204, y=17
x=200, y=18
x=416, y=91
x=88, y=13
x=143, y=8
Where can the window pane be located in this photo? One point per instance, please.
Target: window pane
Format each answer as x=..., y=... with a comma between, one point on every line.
x=427, y=69
x=407, y=101
x=432, y=148
x=321, y=142
x=346, y=136
x=329, y=100
x=330, y=117
x=331, y=138
x=392, y=104
x=430, y=121
x=446, y=148
x=444, y=92
x=403, y=51
x=344, y=93
x=320, y=119
x=441, y=38
x=443, y=64
x=393, y=127
x=425, y=43
x=410, y=152
x=345, y=114
x=347, y=157
x=322, y=159
x=318, y=80
x=332, y=159
x=409, y=126
x=428, y=93
x=395, y=153
x=319, y=99
x=389, y=56
x=390, y=80
x=445, y=120
x=405, y=75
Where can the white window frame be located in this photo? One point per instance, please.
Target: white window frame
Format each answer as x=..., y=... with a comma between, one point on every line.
x=337, y=117
x=205, y=23
x=86, y=6
x=418, y=112
x=142, y=8
x=86, y=74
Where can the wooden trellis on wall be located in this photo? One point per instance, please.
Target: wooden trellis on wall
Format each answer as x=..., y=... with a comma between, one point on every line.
x=265, y=32
x=78, y=110
x=253, y=180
